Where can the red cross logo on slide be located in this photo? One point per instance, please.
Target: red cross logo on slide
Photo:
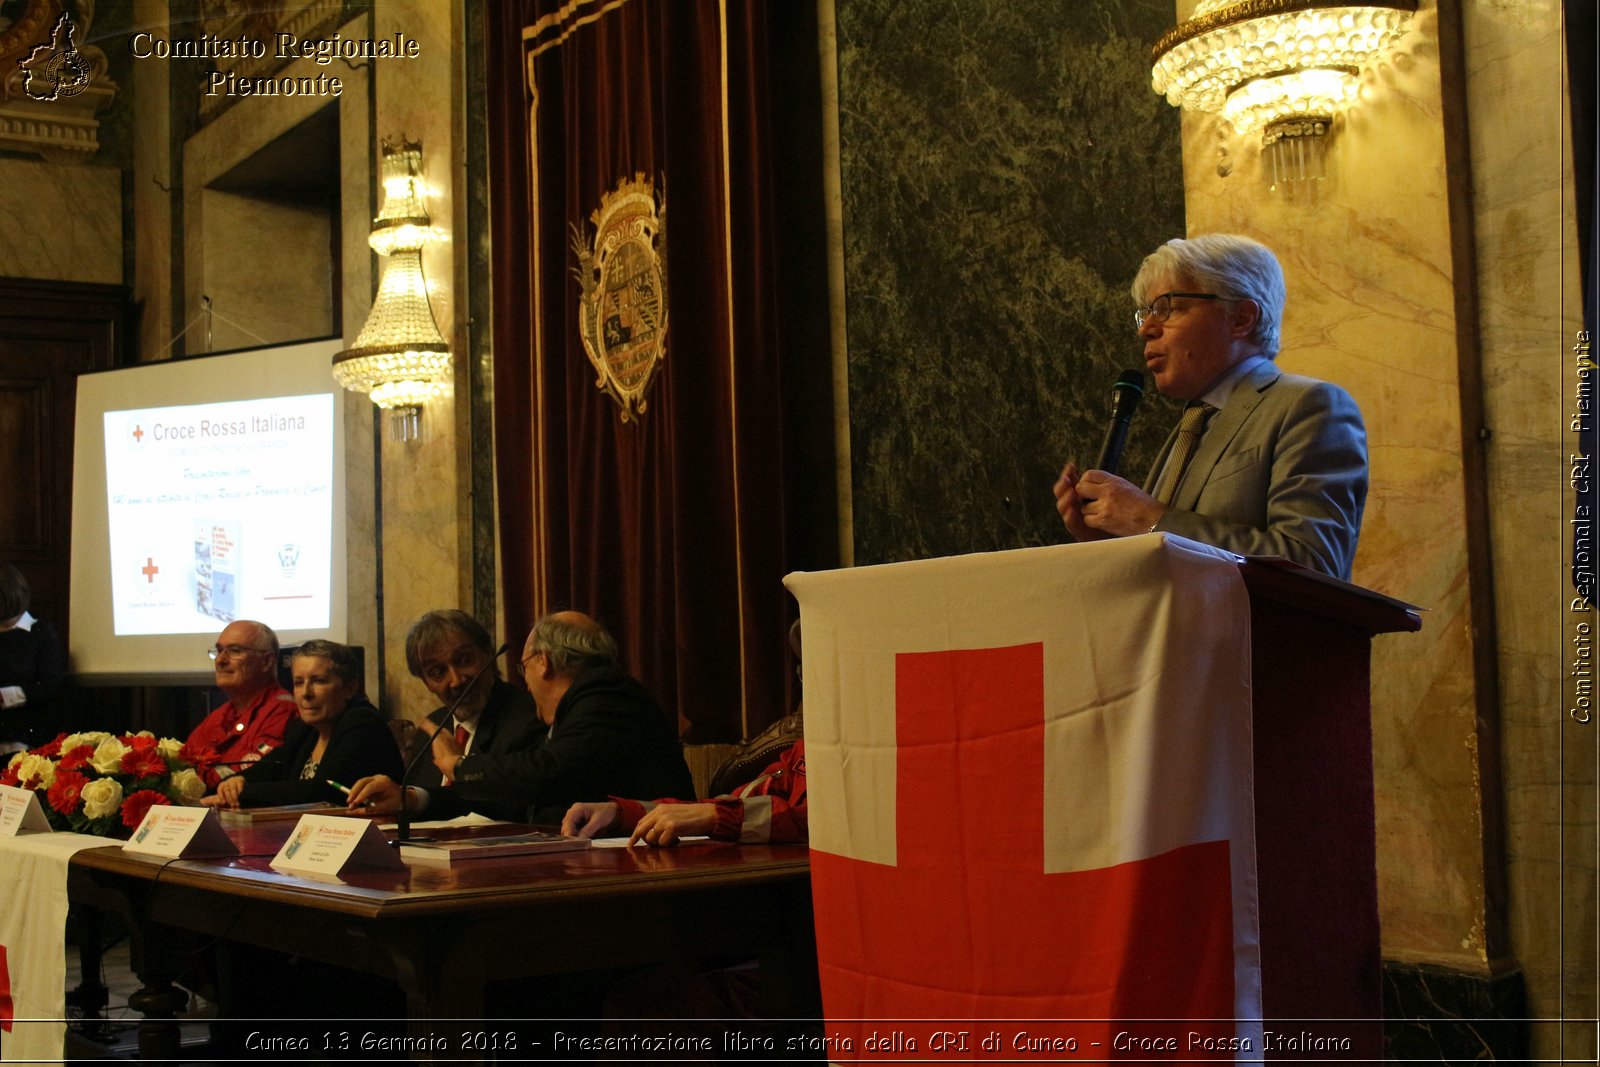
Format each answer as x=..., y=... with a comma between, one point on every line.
x=8, y=1010
x=150, y=570
x=138, y=433
x=967, y=926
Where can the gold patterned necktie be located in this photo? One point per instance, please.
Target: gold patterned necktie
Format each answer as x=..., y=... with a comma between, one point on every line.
x=1190, y=427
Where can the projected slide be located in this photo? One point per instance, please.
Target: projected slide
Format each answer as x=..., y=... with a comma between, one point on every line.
x=220, y=512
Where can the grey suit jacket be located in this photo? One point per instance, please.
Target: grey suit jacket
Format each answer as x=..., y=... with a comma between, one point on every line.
x=1281, y=471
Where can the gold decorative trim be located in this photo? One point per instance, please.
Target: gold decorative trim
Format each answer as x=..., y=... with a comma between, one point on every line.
x=539, y=473
x=733, y=365
x=1245, y=10
x=553, y=20
x=29, y=28
x=54, y=119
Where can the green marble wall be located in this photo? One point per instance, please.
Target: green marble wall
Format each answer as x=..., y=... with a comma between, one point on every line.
x=1005, y=167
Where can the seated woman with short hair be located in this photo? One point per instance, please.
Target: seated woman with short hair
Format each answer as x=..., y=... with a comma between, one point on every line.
x=339, y=737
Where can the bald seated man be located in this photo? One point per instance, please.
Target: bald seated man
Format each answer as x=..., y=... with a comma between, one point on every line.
x=251, y=722
x=607, y=736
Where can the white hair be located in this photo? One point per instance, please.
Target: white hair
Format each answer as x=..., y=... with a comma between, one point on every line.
x=1231, y=266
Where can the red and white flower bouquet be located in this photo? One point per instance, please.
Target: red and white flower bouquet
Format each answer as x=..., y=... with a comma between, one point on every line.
x=99, y=783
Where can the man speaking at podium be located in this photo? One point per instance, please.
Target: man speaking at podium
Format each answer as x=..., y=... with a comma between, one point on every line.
x=1262, y=463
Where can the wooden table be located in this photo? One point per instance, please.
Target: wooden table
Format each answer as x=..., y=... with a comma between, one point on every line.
x=443, y=933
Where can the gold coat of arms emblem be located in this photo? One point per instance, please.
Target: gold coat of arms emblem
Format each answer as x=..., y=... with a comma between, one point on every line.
x=622, y=313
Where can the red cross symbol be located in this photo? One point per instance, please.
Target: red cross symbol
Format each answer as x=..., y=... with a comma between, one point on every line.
x=8, y=1009
x=967, y=926
x=149, y=570
x=138, y=433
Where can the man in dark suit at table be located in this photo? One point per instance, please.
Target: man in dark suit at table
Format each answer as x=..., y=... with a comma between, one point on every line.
x=607, y=737
x=448, y=650
x=1263, y=462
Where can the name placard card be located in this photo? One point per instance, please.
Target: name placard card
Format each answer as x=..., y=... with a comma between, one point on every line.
x=181, y=833
x=327, y=845
x=20, y=812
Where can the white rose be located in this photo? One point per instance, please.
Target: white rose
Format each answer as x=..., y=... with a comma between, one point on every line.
x=41, y=766
x=102, y=797
x=189, y=785
x=16, y=759
x=107, y=758
x=169, y=747
x=72, y=741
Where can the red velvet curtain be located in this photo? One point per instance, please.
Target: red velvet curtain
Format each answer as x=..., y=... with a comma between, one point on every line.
x=675, y=528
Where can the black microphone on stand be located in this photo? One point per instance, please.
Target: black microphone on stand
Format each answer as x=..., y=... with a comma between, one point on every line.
x=1126, y=392
x=403, y=828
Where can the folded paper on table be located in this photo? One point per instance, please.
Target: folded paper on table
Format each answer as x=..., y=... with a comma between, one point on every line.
x=181, y=833
x=20, y=812
x=327, y=845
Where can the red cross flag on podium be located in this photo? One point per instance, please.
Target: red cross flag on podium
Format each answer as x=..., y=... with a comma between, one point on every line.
x=1031, y=804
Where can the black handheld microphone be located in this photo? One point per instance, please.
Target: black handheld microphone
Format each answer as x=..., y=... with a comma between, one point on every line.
x=1126, y=392
x=403, y=827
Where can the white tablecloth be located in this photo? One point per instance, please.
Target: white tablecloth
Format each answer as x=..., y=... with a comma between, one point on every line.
x=33, y=924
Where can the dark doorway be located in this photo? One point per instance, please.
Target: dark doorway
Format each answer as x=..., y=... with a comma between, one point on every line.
x=50, y=332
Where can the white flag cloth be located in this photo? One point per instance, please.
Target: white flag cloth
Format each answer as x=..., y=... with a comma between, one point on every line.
x=1031, y=788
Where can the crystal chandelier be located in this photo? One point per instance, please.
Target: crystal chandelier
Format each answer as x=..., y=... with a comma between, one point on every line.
x=400, y=358
x=1283, y=68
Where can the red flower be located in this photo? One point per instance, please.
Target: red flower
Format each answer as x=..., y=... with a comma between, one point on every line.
x=139, y=742
x=144, y=763
x=197, y=755
x=52, y=748
x=9, y=776
x=134, y=807
x=64, y=794
x=76, y=758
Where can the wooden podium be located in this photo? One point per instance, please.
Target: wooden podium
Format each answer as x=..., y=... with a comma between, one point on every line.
x=1205, y=864
x=1316, y=857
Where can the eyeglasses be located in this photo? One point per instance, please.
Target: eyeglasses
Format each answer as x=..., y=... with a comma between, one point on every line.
x=1161, y=307
x=216, y=652
x=522, y=664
